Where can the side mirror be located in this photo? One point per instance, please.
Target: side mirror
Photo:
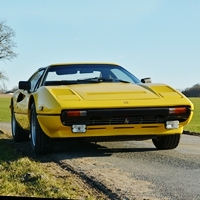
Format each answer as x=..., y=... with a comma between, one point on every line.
x=25, y=85
x=146, y=80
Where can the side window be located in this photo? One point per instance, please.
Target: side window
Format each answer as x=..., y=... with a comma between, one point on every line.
x=35, y=79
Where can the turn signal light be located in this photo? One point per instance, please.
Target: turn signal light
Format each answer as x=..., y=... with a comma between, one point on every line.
x=76, y=113
x=179, y=110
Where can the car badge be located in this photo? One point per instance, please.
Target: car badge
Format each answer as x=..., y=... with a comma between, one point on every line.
x=126, y=121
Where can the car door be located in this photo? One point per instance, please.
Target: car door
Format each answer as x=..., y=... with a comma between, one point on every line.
x=22, y=99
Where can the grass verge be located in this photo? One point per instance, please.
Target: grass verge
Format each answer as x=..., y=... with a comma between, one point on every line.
x=23, y=176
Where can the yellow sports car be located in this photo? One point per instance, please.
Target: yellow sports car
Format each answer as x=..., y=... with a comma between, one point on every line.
x=96, y=102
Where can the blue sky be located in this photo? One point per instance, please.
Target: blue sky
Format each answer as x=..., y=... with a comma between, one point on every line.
x=151, y=38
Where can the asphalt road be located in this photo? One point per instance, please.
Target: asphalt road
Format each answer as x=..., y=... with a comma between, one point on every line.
x=135, y=169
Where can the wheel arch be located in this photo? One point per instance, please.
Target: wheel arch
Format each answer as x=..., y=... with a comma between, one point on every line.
x=31, y=101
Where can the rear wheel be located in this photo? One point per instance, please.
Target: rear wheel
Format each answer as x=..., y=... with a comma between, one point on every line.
x=167, y=142
x=40, y=142
x=18, y=133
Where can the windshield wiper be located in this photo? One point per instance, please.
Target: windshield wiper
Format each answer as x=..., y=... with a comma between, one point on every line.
x=100, y=80
x=89, y=80
x=95, y=80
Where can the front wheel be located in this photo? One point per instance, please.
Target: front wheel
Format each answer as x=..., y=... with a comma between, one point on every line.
x=40, y=142
x=18, y=133
x=167, y=142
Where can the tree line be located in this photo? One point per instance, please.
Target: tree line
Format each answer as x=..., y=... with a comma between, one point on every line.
x=193, y=91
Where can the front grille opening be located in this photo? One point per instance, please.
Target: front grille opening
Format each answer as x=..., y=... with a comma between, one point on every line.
x=124, y=117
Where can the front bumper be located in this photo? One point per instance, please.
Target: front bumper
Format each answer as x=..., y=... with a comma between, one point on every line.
x=53, y=127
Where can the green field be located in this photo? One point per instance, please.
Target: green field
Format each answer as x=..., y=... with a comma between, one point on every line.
x=5, y=114
x=193, y=126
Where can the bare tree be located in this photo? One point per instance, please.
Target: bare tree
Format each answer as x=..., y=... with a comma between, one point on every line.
x=3, y=76
x=3, y=88
x=6, y=43
x=6, y=47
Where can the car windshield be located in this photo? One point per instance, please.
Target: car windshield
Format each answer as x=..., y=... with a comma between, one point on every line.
x=88, y=73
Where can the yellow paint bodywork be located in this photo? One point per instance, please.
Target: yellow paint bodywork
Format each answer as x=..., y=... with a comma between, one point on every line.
x=50, y=100
x=57, y=130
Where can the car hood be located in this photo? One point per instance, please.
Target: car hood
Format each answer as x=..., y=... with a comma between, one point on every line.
x=108, y=95
x=115, y=91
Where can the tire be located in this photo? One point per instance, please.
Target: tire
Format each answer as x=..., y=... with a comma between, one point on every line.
x=18, y=133
x=167, y=142
x=40, y=142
